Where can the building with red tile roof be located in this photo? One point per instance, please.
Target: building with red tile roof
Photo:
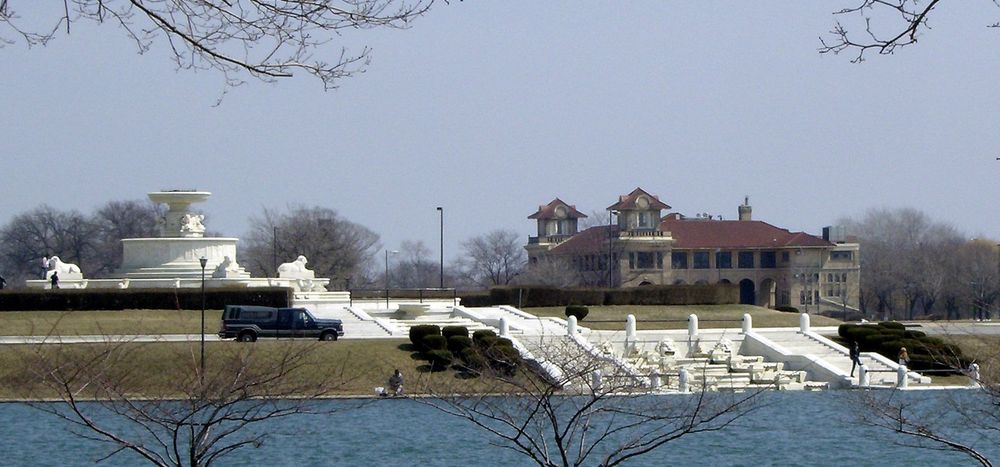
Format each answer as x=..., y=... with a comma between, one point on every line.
x=773, y=266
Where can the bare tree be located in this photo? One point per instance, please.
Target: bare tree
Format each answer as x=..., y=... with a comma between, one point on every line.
x=265, y=40
x=195, y=418
x=415, y=268
x=494, y=258
x=979, y=274
x=887, y=25
x=577, y=420
x=335, y=247
x=44, y=231
x=550, y=271
x=115, y=221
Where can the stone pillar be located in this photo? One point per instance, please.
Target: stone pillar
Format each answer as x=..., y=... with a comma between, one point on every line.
x=692, y=327
x=504, y=327
x=683, y=379
x=863, y=380
x=596, y=380
x=630, y=328
x=654, y=380
x=804, y=323
x=571, y=326
x=747, y=323
x=901, y=381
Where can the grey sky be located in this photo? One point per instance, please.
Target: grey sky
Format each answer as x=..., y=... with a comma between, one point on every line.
x=492, y=108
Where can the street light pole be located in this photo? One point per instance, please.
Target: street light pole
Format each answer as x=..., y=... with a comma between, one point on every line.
x=203, y=260
x=441, y=277
x=387, y=282
x=611, y=263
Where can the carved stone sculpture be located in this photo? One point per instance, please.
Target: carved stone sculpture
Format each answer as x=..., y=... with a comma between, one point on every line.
x=67, y=271
x=296, y=269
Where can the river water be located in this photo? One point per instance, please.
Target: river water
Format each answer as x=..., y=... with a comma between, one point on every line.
x=789, y=428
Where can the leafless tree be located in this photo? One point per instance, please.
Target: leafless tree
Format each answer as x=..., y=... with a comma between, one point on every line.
x=887, y=25
x=979, y=272
x=44, y=231
x=415, y=268
x=335, y=247
x=573, y=421
x=494, y=258
x=115, y=221
x=195, y=418
x=550, y=271
x=265, y=40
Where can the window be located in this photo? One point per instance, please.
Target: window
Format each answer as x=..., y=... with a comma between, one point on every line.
x=745, y=260
x=840, y=255
x=724, y=259
x=767, y=260
x=645, y=259
x=701, y=260
x=679, y=260
x=643, y=219
x=784, y=256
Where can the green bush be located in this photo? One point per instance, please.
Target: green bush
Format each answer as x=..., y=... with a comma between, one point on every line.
x=486, y=342
x=478, y=335
x=786, y=309
x=580, y=311
x=417, y=334
x=449, y=331
x=504, y=342
x=472, y=359
x=456, y=344
x=892, y=325
x=914, y=334
x=439, y=359
x=435, y=342
x=504, y=359
x=140, y=299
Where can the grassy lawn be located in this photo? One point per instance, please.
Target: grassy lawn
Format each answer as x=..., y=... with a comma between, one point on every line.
x=675, y=317
x=67, y=323
x=354, y=367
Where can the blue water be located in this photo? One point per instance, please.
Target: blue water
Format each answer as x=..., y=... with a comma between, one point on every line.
x=788, y=428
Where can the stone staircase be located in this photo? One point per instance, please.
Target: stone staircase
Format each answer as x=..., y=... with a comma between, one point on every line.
x=881, y=371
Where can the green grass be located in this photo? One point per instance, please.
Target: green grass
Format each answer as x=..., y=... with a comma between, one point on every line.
x=675, y=317
x=72, y=323
x=354, y=367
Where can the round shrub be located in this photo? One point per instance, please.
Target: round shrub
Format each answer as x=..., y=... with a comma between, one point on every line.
x=503, y=358
x=472, y=359
x=417, y=333
x=485, y=342
x=914, y=334
x=439, y=359
x=456, y=344
x=503, y=341
x=478, y=335
x=844, y=329
x=892, y=325
x=580, y=311
x=435, y=342
x=449, y=331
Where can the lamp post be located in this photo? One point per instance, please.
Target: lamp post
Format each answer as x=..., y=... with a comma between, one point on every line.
x=387, y=282
x=274, y=249
x=611, y=263
x=441, y=277
x=204, y=261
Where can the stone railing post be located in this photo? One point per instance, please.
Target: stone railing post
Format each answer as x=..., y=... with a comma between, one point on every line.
x=683, y=380
x=596, y=380
x=654, y=380
x=863, y=379
x=504, y=327
x=901, y=381
x=629, y=334
x=692, y=327
x=804, y=323
x=571, y=326
x=747, y=323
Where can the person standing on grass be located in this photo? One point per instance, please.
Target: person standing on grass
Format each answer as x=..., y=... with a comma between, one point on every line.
x=855, y=356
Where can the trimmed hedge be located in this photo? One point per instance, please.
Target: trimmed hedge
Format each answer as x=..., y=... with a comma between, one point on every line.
x=439, y=359
x=715, y=294
x=435, y=342
x=480, y=334
x=141, y=299
x=458, y=344
x=419, y=332
x=580, y=311
x=786, y=309
x=449, y=331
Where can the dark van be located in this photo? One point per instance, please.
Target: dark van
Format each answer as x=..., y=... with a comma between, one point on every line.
x=246, y=323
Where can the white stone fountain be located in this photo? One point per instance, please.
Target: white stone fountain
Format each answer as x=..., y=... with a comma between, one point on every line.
x=173, y=260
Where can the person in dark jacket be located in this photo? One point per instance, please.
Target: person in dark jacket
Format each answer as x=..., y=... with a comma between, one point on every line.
x=396, y=383
x=55, y=280
x=855, y=356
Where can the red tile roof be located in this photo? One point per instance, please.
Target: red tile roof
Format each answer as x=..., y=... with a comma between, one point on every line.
x=736, y=234
x=590, y=241
x=549, y=211
x=628, y=202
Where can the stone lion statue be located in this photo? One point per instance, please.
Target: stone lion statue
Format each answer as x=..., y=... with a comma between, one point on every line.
x=225, y=267
x=299, y=265
x=66, y=271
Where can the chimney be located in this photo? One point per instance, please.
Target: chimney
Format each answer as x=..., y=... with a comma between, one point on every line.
x=745, y=209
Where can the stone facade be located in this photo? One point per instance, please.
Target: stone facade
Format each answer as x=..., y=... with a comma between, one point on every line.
x=772, y=266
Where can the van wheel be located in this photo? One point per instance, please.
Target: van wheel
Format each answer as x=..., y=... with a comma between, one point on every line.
x=328, y=336
x=247, y=337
